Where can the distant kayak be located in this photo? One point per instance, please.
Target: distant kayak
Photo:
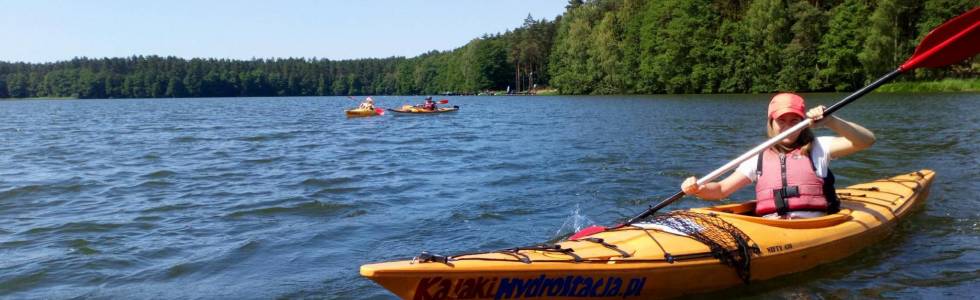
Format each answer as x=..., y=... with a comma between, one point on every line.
x=685, y=252
x=408, y=109
x=362, y=112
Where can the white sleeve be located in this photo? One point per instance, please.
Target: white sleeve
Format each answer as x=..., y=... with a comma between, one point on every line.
x=820, y=155
x=748, y=167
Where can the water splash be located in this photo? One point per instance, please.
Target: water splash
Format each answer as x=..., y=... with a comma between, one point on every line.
x=573, y=223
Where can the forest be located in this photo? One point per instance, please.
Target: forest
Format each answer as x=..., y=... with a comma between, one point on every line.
x=595, y=47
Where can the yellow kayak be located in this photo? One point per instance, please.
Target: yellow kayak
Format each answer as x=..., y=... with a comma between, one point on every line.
x=358, y=112
x=666, y=256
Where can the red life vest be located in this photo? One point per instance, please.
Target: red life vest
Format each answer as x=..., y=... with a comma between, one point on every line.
x=788, y=182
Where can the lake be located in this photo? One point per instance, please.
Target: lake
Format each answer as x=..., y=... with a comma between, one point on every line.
x=286, y=198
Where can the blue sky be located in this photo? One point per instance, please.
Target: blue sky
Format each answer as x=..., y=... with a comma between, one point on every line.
x=45, y=31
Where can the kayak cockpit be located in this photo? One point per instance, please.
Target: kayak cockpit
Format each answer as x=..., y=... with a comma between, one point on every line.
x=744, y=211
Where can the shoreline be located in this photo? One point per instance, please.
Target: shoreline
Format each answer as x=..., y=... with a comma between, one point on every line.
x=949, y=85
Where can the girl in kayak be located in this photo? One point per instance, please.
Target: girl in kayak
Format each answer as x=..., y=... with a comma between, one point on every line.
x=429, y=104
x=792, y=177
x=368, y=104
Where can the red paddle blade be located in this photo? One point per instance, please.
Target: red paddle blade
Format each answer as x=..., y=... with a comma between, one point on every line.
x=443, y=101
x=380, y=112
x=951, y=42
x=587, y=231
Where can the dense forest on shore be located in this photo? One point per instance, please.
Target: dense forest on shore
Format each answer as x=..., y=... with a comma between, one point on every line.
x=594, y=47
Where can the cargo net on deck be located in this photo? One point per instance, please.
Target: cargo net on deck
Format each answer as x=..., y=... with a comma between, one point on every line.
x=727, y=243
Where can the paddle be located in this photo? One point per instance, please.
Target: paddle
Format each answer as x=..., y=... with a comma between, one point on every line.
x=951, y=42
x=380, y=111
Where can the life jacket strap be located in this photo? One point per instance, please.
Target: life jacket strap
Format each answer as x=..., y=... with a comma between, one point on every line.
x=830, y=193
x=780, y=196
x=782, y=207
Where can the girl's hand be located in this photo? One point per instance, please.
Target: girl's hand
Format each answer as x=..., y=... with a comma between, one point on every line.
x=816, y=114
x=690, y=186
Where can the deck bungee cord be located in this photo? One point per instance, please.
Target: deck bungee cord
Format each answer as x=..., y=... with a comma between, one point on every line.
x=726, y=242
x=853, y=197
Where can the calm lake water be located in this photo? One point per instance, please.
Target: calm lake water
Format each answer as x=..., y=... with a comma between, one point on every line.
x=285, y=197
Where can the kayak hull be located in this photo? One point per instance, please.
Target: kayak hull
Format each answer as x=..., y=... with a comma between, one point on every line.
x=413, y=110
x=360, y=113
x=651, y=263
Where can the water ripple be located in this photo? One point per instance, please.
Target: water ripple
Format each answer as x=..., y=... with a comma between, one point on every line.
x=86, y=227
x=312, y=209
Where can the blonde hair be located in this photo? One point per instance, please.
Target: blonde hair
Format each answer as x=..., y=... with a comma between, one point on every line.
x=804, y=141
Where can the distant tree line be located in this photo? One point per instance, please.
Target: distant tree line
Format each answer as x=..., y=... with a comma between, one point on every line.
x=739, y=46
x=594, y=47
x=491, y=62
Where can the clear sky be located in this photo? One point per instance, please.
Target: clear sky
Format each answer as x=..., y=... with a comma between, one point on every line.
x=45, y=31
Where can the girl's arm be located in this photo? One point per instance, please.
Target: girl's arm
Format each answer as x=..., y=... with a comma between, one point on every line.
x=715, y=190
x=853, y=137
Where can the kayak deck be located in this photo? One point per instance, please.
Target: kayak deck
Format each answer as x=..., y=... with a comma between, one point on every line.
x=649, y=262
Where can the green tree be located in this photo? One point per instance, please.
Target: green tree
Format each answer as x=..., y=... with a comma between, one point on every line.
x=934, y=13
x=340, y=87
x=3, y=88
x=89, y=85
x=607, y=57
x=175, y=88
x=18, y=85
x=767, y=25
x=569, y=66
x=629, y=43
x=800, y=64
x=840, y=68
x=675, y=58
x=881, y=41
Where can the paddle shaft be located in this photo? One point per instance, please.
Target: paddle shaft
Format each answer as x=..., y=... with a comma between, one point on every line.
x=768, y=143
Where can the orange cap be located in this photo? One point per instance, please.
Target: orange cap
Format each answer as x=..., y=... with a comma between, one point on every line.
x=786, y=103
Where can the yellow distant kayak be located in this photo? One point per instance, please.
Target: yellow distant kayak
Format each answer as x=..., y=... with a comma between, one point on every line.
x=363, y=112
x=667, y=256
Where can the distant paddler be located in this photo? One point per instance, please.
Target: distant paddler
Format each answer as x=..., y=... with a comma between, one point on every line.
x=365, y=109
x=368, y=104
x=428, y=105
